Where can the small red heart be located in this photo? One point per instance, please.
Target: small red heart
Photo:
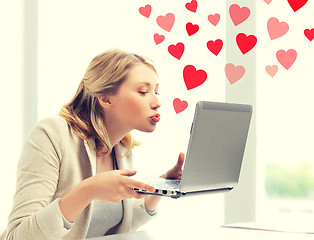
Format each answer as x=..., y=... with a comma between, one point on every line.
x=309, y=33
x=191, y=6
x=191, y=28
x=176, y=50
x=158, y=38
x=214, y=19
x=238, y=14
x=215, y=47
x=193, y=78
x=246, y=43
x=145, y=11
x=166, y=22
x=297, y=4
x=179, y=105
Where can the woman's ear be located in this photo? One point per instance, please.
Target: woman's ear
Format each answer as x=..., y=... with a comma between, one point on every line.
x=104, y=101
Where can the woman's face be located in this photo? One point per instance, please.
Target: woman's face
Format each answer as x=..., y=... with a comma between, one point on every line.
x=135, y=105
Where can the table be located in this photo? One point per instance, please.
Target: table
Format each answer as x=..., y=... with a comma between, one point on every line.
x=211, y=233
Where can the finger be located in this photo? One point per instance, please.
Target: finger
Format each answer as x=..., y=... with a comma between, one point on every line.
x=127, y=172
x=180, y=160
x=140, y=185
x=134, y=194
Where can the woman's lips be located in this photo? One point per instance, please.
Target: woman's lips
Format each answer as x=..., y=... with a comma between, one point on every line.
x=155, y=118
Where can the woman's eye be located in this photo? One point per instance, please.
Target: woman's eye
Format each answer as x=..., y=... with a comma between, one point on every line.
x=157, y=93
x=143, y=93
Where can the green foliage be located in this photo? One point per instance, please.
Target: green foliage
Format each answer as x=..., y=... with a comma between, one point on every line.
x=283, y=181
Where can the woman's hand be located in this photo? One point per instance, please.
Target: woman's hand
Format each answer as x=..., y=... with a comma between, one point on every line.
x=176, y=171
x=116, y=185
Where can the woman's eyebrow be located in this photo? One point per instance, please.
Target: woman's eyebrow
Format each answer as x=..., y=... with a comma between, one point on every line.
x=147, y=84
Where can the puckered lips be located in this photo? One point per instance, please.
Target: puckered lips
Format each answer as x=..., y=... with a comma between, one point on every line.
x=155, y=118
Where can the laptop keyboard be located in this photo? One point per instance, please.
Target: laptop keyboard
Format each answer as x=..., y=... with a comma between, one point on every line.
x=162, y=183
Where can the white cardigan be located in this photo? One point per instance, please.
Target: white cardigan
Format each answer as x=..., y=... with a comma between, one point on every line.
x=53, y=161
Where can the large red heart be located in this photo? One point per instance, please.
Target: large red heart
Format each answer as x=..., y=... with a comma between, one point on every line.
x=166, y=22
x=245, y=43
x=297, y=4
x=179, y=105
x=309, y=33
x=191, y=6
x=215, y=47
x=191, y=28
x=192, y=77
x=176, y=50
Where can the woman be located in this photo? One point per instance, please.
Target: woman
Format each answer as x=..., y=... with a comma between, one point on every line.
x=73, y=175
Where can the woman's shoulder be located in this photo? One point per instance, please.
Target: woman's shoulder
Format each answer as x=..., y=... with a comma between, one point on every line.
x=54, y=126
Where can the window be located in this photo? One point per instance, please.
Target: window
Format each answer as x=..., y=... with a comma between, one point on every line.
x=285, y=158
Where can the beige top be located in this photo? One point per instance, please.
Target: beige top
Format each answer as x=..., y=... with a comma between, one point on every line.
x=53, y=161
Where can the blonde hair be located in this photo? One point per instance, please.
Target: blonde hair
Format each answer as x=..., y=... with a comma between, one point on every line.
x=103, y=77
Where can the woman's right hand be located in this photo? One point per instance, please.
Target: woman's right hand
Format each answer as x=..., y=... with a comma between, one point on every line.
x=115, y=185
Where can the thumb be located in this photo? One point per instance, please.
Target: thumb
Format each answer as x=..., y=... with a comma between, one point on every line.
x=180, y=160
x=127, y=172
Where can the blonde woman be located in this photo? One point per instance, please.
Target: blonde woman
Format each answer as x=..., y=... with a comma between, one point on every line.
x=73, y=175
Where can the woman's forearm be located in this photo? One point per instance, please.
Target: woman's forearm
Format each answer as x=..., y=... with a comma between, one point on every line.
x=151, y=202
x=74, y=202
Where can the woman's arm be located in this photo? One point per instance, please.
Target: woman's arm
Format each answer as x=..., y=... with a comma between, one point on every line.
x=110, y=186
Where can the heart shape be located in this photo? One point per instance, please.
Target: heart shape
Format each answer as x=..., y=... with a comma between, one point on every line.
x=191, y=6
x=145, y=11
x=238, y=15
x=271, y=70
x=158, y=38
x=192, y=77
x=179, y=105
x=191, y=28
x=234, y=73
x=297, y=4
x=246, y=43
x=309, y=34
x=176, y=50
x=286, y=58
x=214, y=19
x=215, y=47
x=267, y=1
x=166, y=22
x=276, y=29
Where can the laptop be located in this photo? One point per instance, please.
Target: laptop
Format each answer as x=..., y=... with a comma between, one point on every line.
x=215, y=151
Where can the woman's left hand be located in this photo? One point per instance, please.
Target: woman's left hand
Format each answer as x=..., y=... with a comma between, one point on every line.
x=176, y=171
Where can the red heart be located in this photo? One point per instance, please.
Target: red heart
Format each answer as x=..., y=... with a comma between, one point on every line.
x=166, y=22
x=179, y=105
x=191, y=28
x=297, y=4
x=309, y=33
x=145, y=11
x=158, y=38
x=214, y=19
x=237, y=14
x=286, y=58
x=215, y=47
x=193, y=78
x=176, y=50
x=245, y=43
x=192, y=6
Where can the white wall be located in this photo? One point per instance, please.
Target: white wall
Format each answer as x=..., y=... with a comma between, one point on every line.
x=11, y=120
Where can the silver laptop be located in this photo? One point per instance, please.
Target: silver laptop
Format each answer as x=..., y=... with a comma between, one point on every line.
x=215, y=151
